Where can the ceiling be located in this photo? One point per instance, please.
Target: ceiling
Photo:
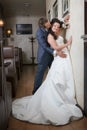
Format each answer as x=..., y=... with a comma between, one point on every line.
x=23, y=7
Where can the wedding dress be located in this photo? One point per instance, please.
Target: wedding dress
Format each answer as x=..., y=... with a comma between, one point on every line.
x=54, y=102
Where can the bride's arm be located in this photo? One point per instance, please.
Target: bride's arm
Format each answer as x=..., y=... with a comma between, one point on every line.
x=54, y=45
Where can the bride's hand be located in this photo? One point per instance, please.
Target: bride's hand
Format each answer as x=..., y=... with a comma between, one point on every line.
x=69, y=41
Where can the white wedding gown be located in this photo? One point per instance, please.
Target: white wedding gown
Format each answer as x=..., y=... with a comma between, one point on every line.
x=54, y=102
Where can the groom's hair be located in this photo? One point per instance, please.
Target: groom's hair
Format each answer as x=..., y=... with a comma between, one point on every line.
x=42, y=22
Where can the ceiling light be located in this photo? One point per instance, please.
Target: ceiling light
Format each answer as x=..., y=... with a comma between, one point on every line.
x=26, y=4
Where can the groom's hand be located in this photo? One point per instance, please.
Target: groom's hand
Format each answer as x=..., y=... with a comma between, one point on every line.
x=61, y=54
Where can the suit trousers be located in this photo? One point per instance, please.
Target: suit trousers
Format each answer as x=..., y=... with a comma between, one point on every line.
x=41, y=68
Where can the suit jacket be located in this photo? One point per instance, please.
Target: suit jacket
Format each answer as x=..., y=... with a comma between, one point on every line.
x=45, y=52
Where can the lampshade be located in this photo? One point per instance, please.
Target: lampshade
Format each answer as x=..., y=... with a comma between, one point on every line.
x=1, y=23
x=8, y=32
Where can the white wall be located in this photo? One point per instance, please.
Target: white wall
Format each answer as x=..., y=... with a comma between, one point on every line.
x=77, y=50
x=23, y=40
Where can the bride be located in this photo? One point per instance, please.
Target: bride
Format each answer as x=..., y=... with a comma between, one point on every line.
x=54, y=102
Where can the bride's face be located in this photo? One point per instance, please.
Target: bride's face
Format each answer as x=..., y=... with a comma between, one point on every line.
x=56, y=28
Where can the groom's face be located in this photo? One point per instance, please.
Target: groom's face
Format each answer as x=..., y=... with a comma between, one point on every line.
x=47, y=25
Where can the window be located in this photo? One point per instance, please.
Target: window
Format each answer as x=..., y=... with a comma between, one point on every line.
x=55, y=9
x=49, y=15
x=65, y=6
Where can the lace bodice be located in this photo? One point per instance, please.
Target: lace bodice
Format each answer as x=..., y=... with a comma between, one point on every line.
x=60, y=41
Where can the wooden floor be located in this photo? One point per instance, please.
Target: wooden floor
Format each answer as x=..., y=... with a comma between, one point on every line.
x=24, y=88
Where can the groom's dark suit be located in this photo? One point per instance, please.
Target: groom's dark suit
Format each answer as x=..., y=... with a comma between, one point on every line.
x=44, y=57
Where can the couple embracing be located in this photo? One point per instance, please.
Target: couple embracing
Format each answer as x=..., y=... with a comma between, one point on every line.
x=53, y=101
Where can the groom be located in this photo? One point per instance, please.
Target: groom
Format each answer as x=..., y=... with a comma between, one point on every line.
x=45, y=53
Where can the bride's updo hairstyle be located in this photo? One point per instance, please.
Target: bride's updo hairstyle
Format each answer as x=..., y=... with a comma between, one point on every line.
x=54, y=20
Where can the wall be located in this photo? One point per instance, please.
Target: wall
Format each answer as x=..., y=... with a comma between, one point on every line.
x=77, y=50
x=23, y=40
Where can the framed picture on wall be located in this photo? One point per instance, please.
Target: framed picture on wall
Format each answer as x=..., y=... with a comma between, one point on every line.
x=65, y=6
x=23, y=29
